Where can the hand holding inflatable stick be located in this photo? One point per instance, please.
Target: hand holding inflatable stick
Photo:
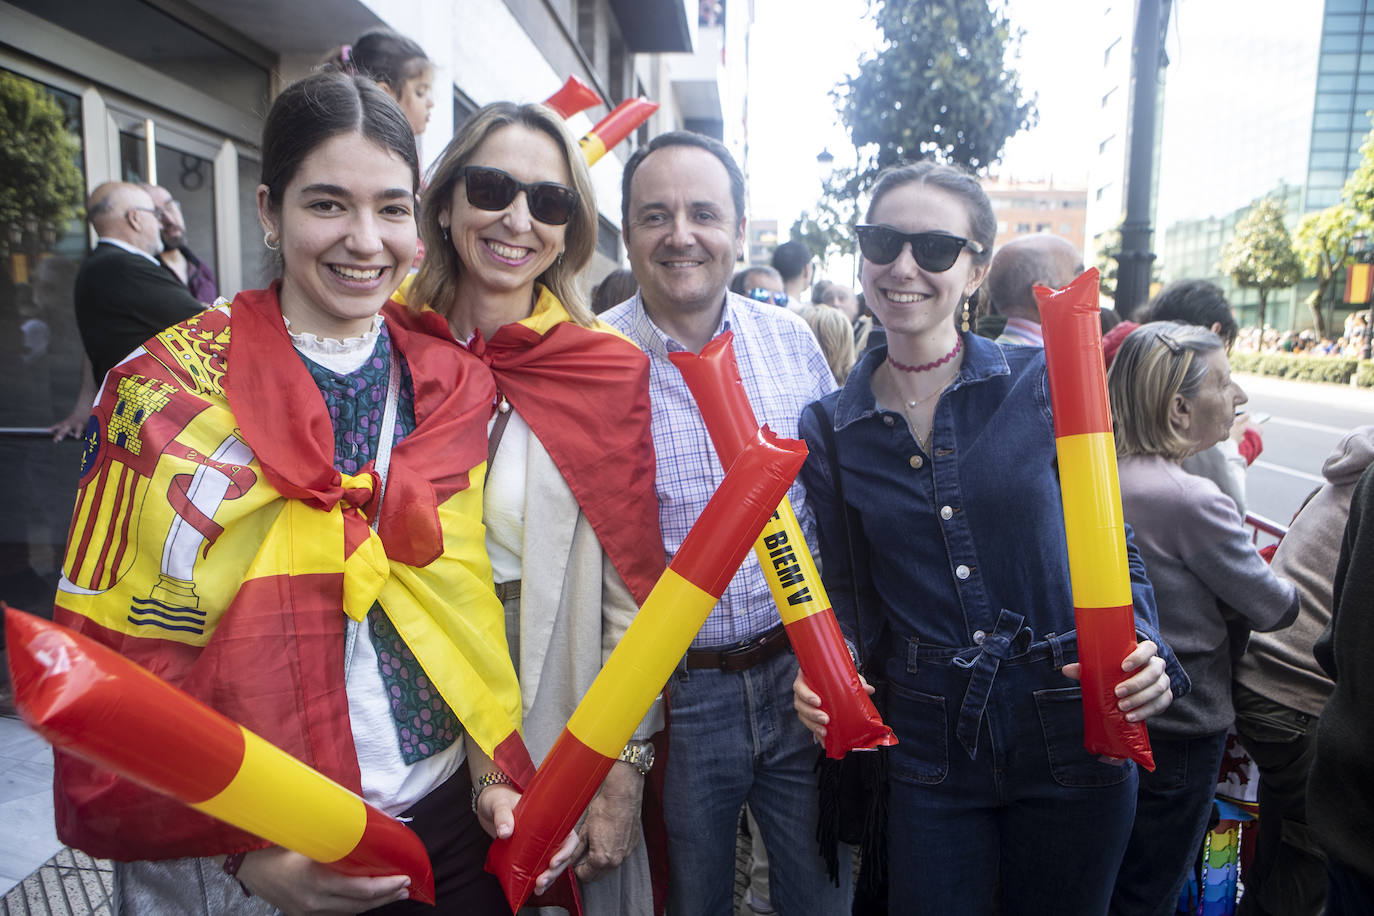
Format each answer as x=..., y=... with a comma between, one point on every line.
x=95, y=703
x=644, y=660
x=1093, y=520
x=714, y=380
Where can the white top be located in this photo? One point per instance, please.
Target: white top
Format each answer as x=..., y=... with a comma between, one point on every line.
x=388, y=783
x=503, y=500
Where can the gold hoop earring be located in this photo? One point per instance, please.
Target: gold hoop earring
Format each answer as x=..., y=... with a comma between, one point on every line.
x=268, y=238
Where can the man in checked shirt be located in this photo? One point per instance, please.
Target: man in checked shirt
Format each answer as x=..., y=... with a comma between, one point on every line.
x=734, y=736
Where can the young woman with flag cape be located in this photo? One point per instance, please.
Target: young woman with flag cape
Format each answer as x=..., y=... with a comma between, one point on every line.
x=280, y=513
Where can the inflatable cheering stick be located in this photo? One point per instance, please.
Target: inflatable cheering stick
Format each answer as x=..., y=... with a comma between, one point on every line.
x=1093, y=523
x=714, y=380
x=575, y=96
x=95, y=703
x=616, y=126
x=644, y=660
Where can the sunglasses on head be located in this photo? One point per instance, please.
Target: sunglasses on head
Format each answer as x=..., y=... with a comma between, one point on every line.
x=933, y=251
x=759, y=294
x=492, y=189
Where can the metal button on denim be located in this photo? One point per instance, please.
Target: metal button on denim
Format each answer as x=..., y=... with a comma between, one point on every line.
x=887, y=421
x=961, y=571
x=917, y=461
x=978, y=637
x=946, y=513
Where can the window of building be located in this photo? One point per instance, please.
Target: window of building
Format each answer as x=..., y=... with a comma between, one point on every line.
x=1107, y=54
x=1106, y=99
x=41, y=356
x=1042, y=227
x=1345, y=6
x=1331, y=120
x=1333, y=101
x=1338, y=63
x=586, y=28
x=1336, y=82
x=1102, y=191
x=1023, y=227
x=1336, y=23
x=1065, y=228
x=1329, y=139
x=1102, y=147
x=1340, y=43
x=1327, y=160
x=188, y=176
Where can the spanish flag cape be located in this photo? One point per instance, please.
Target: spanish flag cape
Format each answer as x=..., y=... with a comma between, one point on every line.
x=585, y=393
x=215, y=543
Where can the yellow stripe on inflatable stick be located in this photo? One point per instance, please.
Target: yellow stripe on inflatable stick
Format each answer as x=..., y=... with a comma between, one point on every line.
x=714, y=380
x=643, y=661
x=1098, y=567
x=98, y=705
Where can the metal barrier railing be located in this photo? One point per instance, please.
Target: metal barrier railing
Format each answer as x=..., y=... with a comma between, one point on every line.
x=1258, y=525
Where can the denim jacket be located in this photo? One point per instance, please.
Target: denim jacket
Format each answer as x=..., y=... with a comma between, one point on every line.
x=951, y=540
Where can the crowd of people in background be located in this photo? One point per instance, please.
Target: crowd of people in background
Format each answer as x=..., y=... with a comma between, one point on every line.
x=432, y=375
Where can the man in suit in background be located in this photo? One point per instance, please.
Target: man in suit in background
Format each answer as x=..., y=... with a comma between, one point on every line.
x=124, y=295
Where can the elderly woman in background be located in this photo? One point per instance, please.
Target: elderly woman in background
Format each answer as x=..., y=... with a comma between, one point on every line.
x=570, y=509
x=1172, y=396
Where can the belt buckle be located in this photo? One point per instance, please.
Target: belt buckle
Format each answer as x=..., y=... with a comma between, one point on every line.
x=739, y=658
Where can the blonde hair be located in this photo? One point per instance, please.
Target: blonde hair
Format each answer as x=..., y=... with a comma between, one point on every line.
x=1156, y=362
x=436, y=285
x=836, y=336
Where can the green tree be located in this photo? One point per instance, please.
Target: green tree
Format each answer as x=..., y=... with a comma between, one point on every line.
x=1260, y=255
x=40, y=183
x=828, y=227
x=1325, y=242
x=938, y=85
x=1359, y=187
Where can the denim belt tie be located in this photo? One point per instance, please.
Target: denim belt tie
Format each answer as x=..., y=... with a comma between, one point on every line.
x=1007, y=639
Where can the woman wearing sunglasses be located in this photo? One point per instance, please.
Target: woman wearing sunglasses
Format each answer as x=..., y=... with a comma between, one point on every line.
x=570, y=509
x=304, y=553
x=932, y=473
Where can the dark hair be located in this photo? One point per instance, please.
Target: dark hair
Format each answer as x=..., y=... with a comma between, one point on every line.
x=683, y=138
x=384, y=57
x=740, y=282
x=323, y=105
x=953, y=180
x=614, y=288
x=790, y=259
x=1194, y=302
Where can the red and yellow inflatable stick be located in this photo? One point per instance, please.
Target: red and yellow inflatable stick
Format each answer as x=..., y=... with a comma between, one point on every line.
x=714, y=380
x=575, y=96
x=93, y=702
x=644, y=660
x=616, y=126
x=1093, y=521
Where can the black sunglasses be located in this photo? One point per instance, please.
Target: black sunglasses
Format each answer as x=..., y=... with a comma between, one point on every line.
x=493, y=189
x=933, y=251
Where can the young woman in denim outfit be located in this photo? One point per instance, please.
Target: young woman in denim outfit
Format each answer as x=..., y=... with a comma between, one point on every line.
x=946, y=453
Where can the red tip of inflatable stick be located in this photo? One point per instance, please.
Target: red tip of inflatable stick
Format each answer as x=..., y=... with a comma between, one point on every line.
x=622, y=120
x=854, y=721
x=1105, y=637
x=713, y=378
x=1072, y=323
x=389, y=847
x=575, y=96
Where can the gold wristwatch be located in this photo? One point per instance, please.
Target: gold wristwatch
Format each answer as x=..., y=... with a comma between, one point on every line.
x=640, y=755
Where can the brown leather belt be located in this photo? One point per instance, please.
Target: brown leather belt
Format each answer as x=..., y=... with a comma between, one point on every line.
x=744, y=655
x=505, y=591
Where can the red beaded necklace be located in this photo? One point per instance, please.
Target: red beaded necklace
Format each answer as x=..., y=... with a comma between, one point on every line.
x=926, y=367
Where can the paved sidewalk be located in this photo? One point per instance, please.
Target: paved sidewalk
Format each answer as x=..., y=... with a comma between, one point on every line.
x=37, y=874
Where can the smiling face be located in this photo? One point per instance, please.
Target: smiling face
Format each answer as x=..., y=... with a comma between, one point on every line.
x=1206, y=418
x=416, y=98
x=683, y=233
x=503, y=252
x=907, y=298
x=347, y=230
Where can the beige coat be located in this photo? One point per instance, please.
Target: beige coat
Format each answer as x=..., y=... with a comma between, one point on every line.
x=574, y=607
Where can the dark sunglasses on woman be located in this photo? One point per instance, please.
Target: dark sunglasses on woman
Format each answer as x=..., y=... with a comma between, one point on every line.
x=933, y=251
x=492, y=189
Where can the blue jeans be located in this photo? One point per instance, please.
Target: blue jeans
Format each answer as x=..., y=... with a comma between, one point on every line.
x=735, y=737
x=1032, y=811
x=1172, y=813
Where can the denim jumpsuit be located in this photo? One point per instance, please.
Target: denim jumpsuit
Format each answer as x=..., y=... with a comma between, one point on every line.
x=962, y=561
